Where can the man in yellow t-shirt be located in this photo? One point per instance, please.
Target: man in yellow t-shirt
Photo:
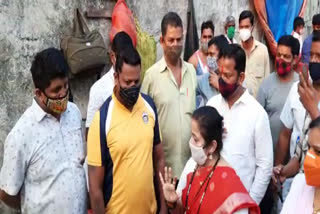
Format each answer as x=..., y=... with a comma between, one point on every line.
x=123, y=143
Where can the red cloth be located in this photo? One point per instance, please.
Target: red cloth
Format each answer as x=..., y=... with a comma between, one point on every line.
x=122, y=20
x=225, y=193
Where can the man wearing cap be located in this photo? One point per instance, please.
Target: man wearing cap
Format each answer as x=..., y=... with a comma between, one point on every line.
x=229, y=29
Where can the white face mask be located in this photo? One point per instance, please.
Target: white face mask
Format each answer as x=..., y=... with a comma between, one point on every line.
x=245, y=34
x=197, y=153
x=212, y=63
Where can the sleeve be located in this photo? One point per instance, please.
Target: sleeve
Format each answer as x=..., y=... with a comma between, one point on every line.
x=15, y=162
x=286, y=116
x=146, y=84
x=201, y=82
x=94, y=104
x=305, y=50
x=156, y=129
x=94, y=146
x=189, y=168
x=261, y=96
x=263, y=156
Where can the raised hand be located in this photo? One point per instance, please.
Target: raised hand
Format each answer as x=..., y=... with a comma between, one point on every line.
x=213, y=80
x=169, y=185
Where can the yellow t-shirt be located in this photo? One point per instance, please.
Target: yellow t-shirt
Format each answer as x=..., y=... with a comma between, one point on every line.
x=125, y=151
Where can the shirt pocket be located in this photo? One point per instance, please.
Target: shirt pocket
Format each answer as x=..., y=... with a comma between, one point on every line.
x=188, y=101
x=74, y=143
x=259, y=71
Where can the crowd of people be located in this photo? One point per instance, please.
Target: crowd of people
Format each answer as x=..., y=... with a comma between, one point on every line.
x=217, y=134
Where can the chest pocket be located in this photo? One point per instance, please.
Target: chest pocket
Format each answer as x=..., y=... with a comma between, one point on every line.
x=259, y=71
x=73, y=142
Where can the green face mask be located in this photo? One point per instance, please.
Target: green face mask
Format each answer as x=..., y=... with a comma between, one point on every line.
x=230, y=32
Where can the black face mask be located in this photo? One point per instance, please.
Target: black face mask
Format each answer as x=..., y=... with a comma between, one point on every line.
x=314, y=70
x=130, y=95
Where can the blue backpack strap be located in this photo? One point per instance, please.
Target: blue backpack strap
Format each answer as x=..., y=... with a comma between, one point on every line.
x=105, y=153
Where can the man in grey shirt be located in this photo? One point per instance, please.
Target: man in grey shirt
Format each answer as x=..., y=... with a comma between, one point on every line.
x=273, y=93
x=274, y=89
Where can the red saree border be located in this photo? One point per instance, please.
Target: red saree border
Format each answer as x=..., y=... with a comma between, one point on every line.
x=237, y=201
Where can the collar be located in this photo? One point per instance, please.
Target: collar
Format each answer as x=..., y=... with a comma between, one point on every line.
x=163, y=65
x=254, y=45
x=38, y=112
x=120, y=105
x=243, y=99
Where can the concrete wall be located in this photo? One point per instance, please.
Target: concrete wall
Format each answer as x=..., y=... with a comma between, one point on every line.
x=28, y=26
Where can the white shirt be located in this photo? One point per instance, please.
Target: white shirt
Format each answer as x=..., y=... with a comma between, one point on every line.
x=300, y=198
x=43, y=158
x=299, y=37
x=293, y=115
x=99, y=93
x=234, y=41
x=247, y=146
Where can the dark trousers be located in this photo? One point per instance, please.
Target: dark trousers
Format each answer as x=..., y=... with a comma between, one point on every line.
x=267, y=202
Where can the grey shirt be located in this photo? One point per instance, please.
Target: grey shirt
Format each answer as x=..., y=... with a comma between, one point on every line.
x=272, y=96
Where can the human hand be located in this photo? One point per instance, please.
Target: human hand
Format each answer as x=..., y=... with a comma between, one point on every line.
x=169, y=185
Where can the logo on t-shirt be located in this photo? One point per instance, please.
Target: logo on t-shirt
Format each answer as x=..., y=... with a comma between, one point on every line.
x=145, y=117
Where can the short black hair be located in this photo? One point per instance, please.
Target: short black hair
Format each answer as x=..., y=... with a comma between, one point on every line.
x=316, y=19
x=316, y=36
x=121, y=41
x=172, y=19
x=246, y=14
x=208, y=24
x=48, y=65
x=234, y=51
x=221, y=43
x=315, y=123
x=130, y=56
x=291, y=42
x=298, y=21
x=210, y=123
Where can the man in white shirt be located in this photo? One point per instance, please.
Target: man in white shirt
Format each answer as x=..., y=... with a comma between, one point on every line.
x=103, y=88
x=257, y=62
x=298, y=30
x=43, y=154
x=247, y=146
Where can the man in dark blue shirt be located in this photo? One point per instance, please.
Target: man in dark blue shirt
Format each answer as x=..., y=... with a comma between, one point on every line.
x=307, y=42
